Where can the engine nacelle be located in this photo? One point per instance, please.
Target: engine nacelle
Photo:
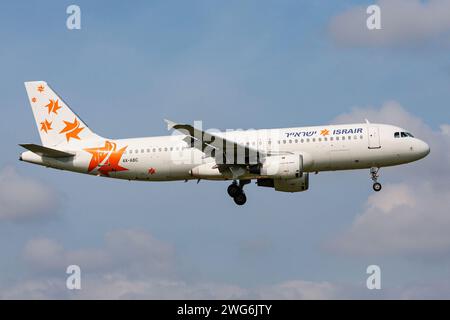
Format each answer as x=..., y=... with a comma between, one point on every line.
x=206, y=171
x=285, y=166
x=286, y=185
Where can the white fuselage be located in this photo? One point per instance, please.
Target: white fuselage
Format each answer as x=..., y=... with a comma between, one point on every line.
x=168, y=158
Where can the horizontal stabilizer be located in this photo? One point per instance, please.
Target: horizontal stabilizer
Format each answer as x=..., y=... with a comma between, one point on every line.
x=46, y=152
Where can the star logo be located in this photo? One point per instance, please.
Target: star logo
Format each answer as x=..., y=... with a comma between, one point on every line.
x=112, y=163
x=33, y=99
x=100, y=154
x=106, y=158
x=325, y=132
x=151, y=171
x=46, y=126
x=72, y=130
x=40, y=88
x=53, y=106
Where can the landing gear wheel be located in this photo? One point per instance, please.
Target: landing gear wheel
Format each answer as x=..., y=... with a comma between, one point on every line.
x=233, y=190
x=240, y=199
x=374, y=176
x=377, y=186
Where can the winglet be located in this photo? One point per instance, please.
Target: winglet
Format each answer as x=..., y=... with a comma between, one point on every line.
x=170, y=124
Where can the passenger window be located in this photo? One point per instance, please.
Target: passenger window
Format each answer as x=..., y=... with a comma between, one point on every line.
x=320, y=139
x=331, y=138
x=361, y=137
x=302, y=141
x=296, y=140
x=314, y=139
x=337, y=138
x=307, y=140
x=154, y=149
x=290, y=141
x=343, y=138
x=131, y=151
x=325, y=139
x=284, y=141
x=160, y=149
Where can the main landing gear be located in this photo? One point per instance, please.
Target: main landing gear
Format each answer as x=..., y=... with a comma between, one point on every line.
x=374, y=174
x=236, y=191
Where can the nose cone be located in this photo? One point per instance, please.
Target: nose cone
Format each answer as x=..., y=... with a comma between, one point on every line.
x=422, y=149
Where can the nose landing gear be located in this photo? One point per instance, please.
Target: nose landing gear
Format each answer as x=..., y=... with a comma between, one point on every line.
x=236, y=191
x=374, y=175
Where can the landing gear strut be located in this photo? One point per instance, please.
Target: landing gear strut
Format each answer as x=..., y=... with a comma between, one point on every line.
x=374, y=175
x=236, y=191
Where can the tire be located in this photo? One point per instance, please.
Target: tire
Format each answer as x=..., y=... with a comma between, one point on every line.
x=377, y=186
x=240, y=199
x=233, y=190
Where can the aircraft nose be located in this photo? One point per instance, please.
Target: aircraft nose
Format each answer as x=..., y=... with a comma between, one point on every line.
x=422, y=149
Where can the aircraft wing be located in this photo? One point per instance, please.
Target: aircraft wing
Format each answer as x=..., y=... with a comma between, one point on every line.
x=225, y=151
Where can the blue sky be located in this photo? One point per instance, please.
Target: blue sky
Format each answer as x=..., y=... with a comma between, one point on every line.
x=232, y=64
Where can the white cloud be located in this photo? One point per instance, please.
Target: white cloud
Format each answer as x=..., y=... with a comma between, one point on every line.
x=410, y=217
x=300, y=290
x=36, y=289
x=45, y=254
x=112, y=276
x=445, y=129
x=23, y=199
x=402, y=219
x=134, y=251
x=121, y=286
x=132, y=264
x=118, y=287
x=404, y=22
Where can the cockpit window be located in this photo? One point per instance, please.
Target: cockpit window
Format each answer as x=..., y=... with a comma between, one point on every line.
x=403, y=135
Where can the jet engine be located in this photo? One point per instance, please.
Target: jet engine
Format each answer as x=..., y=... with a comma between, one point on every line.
x=286, y=185
x=283, y=166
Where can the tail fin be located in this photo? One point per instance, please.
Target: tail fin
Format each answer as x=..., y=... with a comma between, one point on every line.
x=57, y=123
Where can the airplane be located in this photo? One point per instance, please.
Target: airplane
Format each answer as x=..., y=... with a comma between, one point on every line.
x=281, y=159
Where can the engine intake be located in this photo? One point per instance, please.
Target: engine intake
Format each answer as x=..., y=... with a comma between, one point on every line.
x=285, y=166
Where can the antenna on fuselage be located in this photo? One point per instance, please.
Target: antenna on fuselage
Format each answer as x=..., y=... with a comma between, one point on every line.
x=367, y=121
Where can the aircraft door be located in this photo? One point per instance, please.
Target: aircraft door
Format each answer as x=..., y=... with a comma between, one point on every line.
x=374, y=137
